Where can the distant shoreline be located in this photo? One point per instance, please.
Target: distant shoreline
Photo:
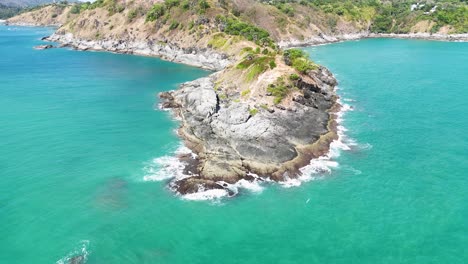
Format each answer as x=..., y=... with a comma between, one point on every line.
x=325, y=39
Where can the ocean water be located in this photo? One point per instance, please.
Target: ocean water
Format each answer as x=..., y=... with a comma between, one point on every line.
x=83, y=148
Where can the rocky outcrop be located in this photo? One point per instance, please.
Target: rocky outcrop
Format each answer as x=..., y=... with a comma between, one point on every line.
x=198, y=57
x=231, y=141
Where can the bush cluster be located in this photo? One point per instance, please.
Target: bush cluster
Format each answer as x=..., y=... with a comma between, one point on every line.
x=234, y=26
x=299, y=60
x=155, y=12
x=256, y=64
x=279, y=90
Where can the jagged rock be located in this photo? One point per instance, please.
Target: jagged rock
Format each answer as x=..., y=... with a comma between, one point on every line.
x=44, y=47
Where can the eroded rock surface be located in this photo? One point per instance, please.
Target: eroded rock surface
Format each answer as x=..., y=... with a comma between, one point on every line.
x=230, y=141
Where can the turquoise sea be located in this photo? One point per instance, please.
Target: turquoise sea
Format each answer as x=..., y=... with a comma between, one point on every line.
x=79, y=131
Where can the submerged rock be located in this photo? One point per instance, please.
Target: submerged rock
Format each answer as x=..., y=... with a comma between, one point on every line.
x=43, y=47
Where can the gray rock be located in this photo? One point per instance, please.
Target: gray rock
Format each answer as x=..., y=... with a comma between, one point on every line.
x=203, y=58
x=230, y=142
x=44, y=47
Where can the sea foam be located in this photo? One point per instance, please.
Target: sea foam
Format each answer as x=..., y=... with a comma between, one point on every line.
x=168, y=167
x=80, y=252
x=324, y=165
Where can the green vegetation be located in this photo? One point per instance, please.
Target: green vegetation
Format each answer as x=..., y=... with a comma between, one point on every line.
x=294, y=77
x=8, y=11
x=245, y=92
x=155, y=12
x=279, y=90
x=391, y=16
x=174, y=25
x=253, y=111
x=453, y=16
x=186, y=5
x=218, y=40
x=203, y=5
x=171, y=3
x=132, y=15
x=75, y=9
x=272, y=64
x=255, y=65
x=299, y=60
x=234, y=26
x=284, y=7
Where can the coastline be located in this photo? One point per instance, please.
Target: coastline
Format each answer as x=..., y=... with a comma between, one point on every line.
x=326, y=39
x=202, y=58
x=289, y=170
x=210, y=60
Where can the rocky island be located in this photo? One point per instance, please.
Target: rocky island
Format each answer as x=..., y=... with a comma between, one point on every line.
x=266, y=111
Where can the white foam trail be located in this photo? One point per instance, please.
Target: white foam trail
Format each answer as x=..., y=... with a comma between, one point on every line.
x=81, y=252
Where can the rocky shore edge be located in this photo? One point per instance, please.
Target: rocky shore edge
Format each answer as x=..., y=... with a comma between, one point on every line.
x=199, y=57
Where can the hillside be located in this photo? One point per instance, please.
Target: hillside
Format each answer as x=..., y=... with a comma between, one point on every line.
x=8, y=11
x=26, y=3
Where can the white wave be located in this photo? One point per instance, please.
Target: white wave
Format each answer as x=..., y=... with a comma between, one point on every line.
x=80, y=254
x=171, y=167
x=168, y=167
x=229, y=190
x=203, y=195
x=252, y=186
x=324, y=164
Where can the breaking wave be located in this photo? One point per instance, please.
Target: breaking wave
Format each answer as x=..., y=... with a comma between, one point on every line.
x=78, y=255
x=324, y=165
x=168, y=167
